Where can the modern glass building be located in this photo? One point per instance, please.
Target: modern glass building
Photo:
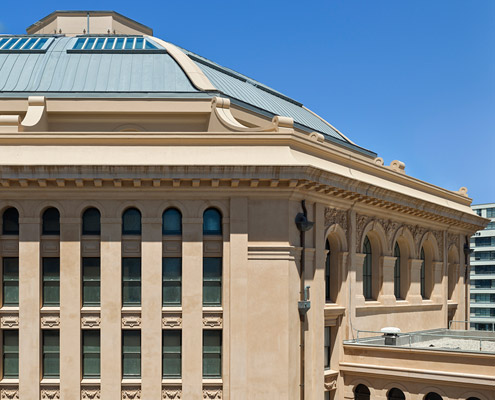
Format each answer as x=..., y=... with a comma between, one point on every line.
x=483, y=272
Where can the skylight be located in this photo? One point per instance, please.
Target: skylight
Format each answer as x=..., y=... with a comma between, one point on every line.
x=122, y=44
x=25, y=43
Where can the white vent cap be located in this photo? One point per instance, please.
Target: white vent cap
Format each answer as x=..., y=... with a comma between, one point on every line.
x=390, y=330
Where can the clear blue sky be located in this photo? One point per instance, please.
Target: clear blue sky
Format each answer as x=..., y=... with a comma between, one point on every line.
x=412, y=80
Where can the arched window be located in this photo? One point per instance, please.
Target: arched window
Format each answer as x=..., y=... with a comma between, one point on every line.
x=395, y=394
x=131, y=222
x=327, y=273
x=423, y=274
x=212, y=222
x=367, y=266
x=51, y=222
x=172, y=222
x=397, y=271
x=361, y=392
x=433, y=396
x=473, y=398
x=10, y=222
x=91, y=222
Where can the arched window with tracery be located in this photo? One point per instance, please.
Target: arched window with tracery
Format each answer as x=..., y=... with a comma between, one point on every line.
x=397, y=271
x=327, y=273
x=396, y=394
x=433, y=396
x=91, y=222
x=367, y=269
x=51, y=222
x=131, y=222
x=361, y=392
x=10, y=221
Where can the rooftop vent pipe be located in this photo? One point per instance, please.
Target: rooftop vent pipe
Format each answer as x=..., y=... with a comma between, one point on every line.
x=390, y=334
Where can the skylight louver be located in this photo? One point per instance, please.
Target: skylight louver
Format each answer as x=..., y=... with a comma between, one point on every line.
x=115, y=44
x=15, y=44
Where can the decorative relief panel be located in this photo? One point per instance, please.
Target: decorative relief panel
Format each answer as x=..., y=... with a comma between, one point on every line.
x=9, y=394
x=172, y=321
x=90, y=246
x=172, y=394
x=453, y=239
x=212, y=320
x=336, y=216
x=90, y=321
x=10, y=247
x=131, y=247
x=9, y=321
x=212, y=394
x=131, y=321
x=50, y=246
x=50, y=321
x=330, y=382
x=50, y=394
x=131, y=394
x=213, y=246
x=91, y=393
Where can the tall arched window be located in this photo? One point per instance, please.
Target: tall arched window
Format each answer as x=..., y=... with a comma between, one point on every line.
x=91, y=222
x=397, y=271
x=423, y=274
x=51, y=222
x=131, y=222
x=212, y=222
x=433, y=396
x=361, y=392
x=327, y=273
x=396, y=394
x=367, y=269
x=10, y=221
x=172, y=222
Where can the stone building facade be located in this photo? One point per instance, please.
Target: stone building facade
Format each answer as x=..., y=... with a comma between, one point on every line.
x=149, y=200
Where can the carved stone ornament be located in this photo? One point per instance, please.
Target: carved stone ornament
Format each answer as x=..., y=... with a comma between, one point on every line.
x=419, y=232
x=452, y=239
x=50, y=321
x=212, y=394
x=361, y=222
x=131, y=321
x=91, y=394
x=172, y=394
x=9, y=321
x=439, y=237
x=90, y=321
x=172, y=321
x=212, y=321
x=50, y=394
x=336, y=216
x=131, y=394
x=9, y=394
x=331, y=385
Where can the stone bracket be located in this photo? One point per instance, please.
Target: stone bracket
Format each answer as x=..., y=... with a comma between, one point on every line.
x=36, y=119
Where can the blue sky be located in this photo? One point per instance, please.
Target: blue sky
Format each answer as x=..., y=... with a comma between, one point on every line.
x=412, y=80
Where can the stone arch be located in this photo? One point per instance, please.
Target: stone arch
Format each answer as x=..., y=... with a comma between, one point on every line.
x=355, y=382
x=427, y=389
x=431, y=245
x=452, y=270
x=219, y=205
x=390, y=385
x=468, y=394
x=44, y=205
x=174, y=204
x=14, y=204
x=432, y=254
x=87, y=204
x=404, y=238
x=378, y=241
x=129, y=204
x=334, y=261
x=376, y=233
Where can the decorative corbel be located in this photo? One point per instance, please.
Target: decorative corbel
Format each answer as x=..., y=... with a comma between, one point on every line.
x=35, y=120
x=398, y=166
x=222, y=120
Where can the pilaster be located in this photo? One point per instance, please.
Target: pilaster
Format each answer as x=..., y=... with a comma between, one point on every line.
x=414, y=293
x=386, y=295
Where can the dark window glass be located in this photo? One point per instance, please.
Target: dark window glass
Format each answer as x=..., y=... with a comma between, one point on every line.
x=91, y=222
x=212, y=354
x=212, y=281
x=131, y=281
x=10, y=353
x=423, y=274
x=327, y=273
x=51, y=281
x=485, y=241
x=396, y=394
x=327, y=350
x=51, y=222
x=131, y=354
x=473, y=398
x=51, y=354
x=91, y=353
x=91, y=281
x=10, y=222
x=172, y=281
x=433, y=396
x=131, y=222
x=361, y=392
x=367, y=269
x=212, y=222
x=172, y=353
x=10, y=280
x=172, y=222
x=397, y=271
x=490, y=212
